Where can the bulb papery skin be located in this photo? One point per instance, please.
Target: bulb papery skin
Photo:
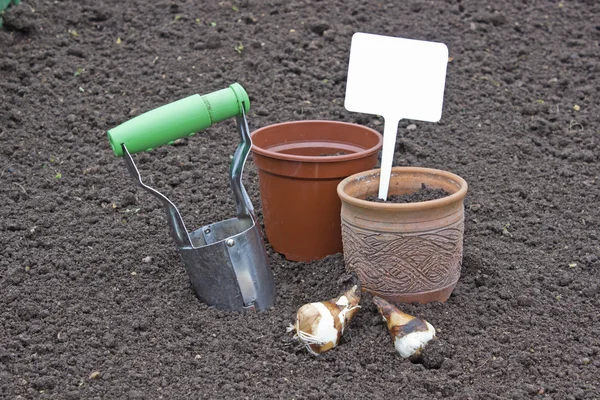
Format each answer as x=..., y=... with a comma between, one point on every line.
x=345, y=308
x=319, y=326
x=342, y=301
x=348, y=304
x=325, y=329
x=412, y=343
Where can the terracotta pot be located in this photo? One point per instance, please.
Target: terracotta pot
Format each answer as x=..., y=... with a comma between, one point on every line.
x=299, y=168
x=404, y=252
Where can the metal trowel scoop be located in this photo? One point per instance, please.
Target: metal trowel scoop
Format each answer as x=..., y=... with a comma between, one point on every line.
x=225, y=261
x=395, y=78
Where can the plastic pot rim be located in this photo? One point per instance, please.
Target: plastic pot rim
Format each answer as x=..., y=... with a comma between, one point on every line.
x=317, y=159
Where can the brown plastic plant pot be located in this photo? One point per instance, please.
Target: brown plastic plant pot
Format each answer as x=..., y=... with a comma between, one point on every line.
x=404, y=252
x=300, y=164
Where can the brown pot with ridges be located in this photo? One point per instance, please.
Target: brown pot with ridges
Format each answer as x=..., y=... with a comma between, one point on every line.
x=300, y=164
x=404, y=252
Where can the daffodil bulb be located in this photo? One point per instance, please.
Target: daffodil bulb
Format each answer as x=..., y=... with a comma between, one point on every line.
x=319, y=326
x=409, y=334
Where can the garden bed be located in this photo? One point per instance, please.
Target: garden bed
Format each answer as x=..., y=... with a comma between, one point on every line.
x=94, y=301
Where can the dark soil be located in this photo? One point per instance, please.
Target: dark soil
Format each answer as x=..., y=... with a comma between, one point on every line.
x=425, y=193
x=94, y=302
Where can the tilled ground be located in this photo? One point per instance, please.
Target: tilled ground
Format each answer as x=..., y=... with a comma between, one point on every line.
x=94, y=302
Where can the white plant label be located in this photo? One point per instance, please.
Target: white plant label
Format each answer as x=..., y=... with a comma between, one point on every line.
x=396, y=78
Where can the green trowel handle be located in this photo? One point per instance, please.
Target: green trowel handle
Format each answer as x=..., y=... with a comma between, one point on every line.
x=178, y=119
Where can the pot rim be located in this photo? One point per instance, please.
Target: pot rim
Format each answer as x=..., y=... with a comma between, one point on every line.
x=421, y=205
x=317, y=159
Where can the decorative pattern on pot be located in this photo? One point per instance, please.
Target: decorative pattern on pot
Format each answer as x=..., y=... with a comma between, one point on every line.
x=408, y=252
x=405, y=263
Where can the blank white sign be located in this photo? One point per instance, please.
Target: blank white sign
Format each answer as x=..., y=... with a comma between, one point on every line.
x=396, y=77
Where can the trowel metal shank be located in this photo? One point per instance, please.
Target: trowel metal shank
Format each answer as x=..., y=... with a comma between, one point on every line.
x=226, y=261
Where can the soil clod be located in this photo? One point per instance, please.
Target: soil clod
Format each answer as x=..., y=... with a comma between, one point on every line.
x=424, y=194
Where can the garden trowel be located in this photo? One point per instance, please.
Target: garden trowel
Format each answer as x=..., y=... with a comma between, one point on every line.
x=225, y=261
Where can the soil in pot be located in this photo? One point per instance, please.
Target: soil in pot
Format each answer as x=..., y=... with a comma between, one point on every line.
x=426, y=193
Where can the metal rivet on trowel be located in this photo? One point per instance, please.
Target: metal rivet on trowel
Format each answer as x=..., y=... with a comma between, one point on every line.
x=230, y=242
x=207, y=231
